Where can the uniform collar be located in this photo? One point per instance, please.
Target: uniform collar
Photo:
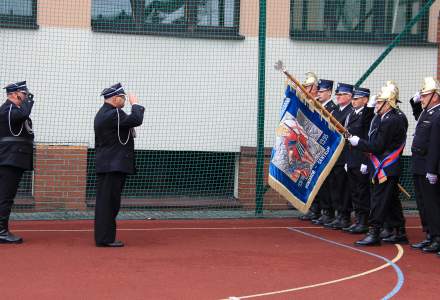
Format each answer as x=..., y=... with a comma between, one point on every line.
x=326, y=102
x=341, y=108
x=383, y=116
x=357, y=111
x=108, y=105
x=433, y=107
x=10, y=102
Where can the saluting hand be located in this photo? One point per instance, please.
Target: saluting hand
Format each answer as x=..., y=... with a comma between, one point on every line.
x=371, y=101
x=416, y=98
x=132, y=99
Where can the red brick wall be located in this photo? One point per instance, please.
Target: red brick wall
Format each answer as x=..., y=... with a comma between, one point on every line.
x=60, y=177
x=246, y=181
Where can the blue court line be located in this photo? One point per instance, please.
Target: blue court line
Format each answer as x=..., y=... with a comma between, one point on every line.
x=400, y=277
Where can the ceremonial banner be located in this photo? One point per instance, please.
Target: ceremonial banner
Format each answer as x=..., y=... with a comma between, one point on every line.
x=306, y=148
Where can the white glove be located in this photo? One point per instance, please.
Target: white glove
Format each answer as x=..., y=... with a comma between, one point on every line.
x=345, y=167
x=372, y=101
x=432, y=178
x=354, y=140
x=364, y=169
x=417, y=98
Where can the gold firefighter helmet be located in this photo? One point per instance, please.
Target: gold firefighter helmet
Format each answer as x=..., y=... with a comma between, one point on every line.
x=430, y=84
x=388, y=93
x=311, y=78
x=393, y=84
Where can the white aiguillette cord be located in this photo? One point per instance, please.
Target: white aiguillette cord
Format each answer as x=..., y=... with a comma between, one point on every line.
x=119, y=136
x=10, y=127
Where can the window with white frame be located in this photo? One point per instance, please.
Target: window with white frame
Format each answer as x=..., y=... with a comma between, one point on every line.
x=176, y=17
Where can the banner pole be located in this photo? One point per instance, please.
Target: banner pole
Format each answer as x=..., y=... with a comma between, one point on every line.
x=280, y=67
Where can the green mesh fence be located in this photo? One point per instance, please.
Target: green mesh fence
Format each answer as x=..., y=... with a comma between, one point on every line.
x=204, y=71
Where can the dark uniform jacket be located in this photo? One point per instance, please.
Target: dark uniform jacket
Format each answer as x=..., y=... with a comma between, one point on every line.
x=330, y=106
x=111, y=155
x=358, y=124
x=386, y=135
x=426, y=143
x=341, y=115
x=16, y=151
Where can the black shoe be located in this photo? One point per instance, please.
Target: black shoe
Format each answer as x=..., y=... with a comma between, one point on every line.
x=7, y=237
x=360, y=228
x=386, y=232
x=344, y=223
x=323, y=219
x=315, y=216
x=399, y=236
x=338, y=224
x=309, y=216
x=422, y=244
x=333, y=224
x=114, y=244
x=318, y=221
x=396, y=239
x=432, y=248
x=348, y=228
x=371, y=239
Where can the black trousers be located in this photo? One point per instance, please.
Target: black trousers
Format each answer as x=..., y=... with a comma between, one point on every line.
x=428, y=204
x=340, y=191
x=385, y=204
x=316, y=206
x=420, y=185
x=9, y=180
x=359, y=191
x=323, y=196
x=108, y=203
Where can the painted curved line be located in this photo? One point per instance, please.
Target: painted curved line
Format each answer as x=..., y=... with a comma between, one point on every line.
x=387, y=264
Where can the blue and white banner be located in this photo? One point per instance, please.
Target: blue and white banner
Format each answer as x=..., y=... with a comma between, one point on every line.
x=306, y=148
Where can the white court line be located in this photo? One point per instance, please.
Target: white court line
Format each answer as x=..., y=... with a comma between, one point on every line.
x=186, y=228
x=161, y=229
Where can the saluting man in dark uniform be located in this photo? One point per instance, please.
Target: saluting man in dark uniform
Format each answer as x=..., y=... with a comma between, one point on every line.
x=385, y=143
x=114, y=144
x=16, y=151
x=322, y=200
x=425, y=162
x=339, y=191
x=358, y=123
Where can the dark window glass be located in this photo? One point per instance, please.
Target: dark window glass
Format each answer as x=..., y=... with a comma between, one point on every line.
x=18, y=13
x=372, y=21
x=182, y=17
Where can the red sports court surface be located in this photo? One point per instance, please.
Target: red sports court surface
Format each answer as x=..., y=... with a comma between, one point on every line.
x=212, y=259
